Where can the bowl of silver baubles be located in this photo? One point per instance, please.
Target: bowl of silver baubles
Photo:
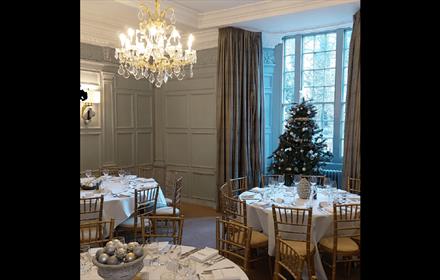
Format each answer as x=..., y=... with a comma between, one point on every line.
x=119, y=261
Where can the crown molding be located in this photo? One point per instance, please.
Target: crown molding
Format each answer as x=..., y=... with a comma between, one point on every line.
x=263, y=9
x=183, y=14
x=271, y=39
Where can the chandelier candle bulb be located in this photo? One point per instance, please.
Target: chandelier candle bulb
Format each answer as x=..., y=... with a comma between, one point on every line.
x=156, y=52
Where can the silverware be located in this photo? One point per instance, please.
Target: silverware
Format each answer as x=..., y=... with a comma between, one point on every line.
x=220, y=268
x=214, y=261
x=189, y=253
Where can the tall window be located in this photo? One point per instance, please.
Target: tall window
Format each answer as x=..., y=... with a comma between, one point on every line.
x=320, y=61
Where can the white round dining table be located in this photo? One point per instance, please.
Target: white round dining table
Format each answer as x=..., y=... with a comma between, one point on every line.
x=154, y=272
x=260, y=217
x=118, y=196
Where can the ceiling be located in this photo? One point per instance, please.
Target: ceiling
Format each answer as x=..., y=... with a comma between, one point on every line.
x=103, y=20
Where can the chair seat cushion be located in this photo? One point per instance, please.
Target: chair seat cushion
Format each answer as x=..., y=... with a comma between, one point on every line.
x=166, y=211
x=169, y=201
x=357, y=239
x=129, y=223
x=299, y=246
x=345, y=244
x=259, y=239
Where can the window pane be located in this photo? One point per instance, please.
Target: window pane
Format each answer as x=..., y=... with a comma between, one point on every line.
x=342, y=148
x=330, y=60
x=328, y=113
x=286, y=114
x=308, y=61
x=329, y=77
x=308, y=42
x=347, y=39
x=346, y=53
x=329, y=94
x=343, y=112
x=289, y=63
x=320, y=43
x=329, y=143
x=289, y=79
x=318, y=116
x=318, y=78
x=327, y=131
x=342, y=129
x=307, y=78
x=290, y=46
x=319, y=60
x=331, y=41
x=288, y=95
x=318, y=94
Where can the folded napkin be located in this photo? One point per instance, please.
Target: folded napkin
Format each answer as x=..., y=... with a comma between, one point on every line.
x=204, y=254
x=249, y=195
x=226, y=274
x=326, y=206
x=257, y=190
x=146, y=180
x=131, y=177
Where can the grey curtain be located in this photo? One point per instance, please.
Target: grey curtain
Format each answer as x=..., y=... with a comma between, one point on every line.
x=239, y=105
x=352, y=135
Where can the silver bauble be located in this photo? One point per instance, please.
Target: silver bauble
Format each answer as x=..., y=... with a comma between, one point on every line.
x=113, y=260
x=138, y=251
x=131, y=246
x=110, y=243
x=130, y=257
x=110, y=250
x=103, y=258
x=303, y=169
x=120, y=253
x=99, y=252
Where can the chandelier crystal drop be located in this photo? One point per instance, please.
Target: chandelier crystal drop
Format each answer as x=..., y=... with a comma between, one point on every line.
x=154, y=51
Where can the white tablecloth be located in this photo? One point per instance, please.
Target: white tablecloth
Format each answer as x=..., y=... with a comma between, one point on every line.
x=262, y=219
x=153, y=272
x=121, y=207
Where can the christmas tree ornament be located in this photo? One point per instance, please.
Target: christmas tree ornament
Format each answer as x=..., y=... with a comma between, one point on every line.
x=103, y=258
x=303, y=169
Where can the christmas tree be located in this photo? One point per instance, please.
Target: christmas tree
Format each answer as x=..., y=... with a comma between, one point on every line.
x=302, y=148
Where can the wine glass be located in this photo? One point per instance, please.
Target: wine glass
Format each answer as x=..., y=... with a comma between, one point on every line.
x=121, y=172
x=296, y=179
x=88, y=173
x=280, y=180
x=105, y=172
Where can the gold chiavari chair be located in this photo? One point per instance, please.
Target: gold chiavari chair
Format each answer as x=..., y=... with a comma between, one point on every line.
x=238, y=185
x=160, y=228
x=354, y=185
x=168, y=187
x=320, y=178
x=235, y=211
x=288, y=259
x=225, y=189
x=173, y=210
x=96, y=233
x=340, y=246
x=233, y=242
x=293, y=226
x=90, y=209
x=145, y=201
x=265, y=179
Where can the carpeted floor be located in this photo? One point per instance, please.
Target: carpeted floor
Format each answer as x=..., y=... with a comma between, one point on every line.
x=199, y=231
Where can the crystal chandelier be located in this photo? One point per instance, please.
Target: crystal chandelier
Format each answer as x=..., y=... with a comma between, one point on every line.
x=154, y=51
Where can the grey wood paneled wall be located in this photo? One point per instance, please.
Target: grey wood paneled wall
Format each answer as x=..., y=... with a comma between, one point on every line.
x=171, y=129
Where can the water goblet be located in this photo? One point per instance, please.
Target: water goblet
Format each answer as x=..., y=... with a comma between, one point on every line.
x=88, y=173
x=105, y=172
x=296, y=179
x=121, y=172
x=280, y=181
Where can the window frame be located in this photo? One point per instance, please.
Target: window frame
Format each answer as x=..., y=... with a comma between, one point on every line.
x=339, y=85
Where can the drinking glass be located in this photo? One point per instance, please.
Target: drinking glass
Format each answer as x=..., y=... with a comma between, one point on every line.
x=296, y=179
x=88, y=173
x=280, y=181
x=153, y=250
x=105, y=172
x=294, y=191
x=121, y=172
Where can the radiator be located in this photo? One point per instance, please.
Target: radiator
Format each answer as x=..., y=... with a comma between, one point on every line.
x=333, y=174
